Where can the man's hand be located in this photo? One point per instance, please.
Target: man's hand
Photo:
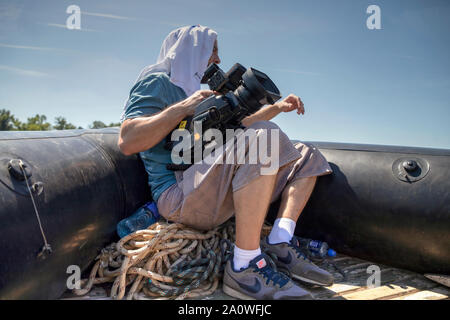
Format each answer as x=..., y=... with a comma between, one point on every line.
x=290, y=103
x=192, y=101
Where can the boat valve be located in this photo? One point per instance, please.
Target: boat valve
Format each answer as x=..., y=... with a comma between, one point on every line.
x=410, y=165
x=410, y=169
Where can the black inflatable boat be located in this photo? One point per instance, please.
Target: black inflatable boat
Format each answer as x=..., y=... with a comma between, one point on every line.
x=382, y=203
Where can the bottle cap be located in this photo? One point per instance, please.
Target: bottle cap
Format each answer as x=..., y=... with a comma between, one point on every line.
x=331, y=253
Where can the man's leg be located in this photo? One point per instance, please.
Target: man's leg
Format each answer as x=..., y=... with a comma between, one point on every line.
x=251, y=203
x=279, y=242
x=293, y=200
x=248, y=274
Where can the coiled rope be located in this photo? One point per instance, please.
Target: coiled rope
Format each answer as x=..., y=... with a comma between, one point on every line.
x=165, y=261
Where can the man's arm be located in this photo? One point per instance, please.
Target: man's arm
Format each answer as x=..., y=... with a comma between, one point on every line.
x=141, y=133
x=264, y=114
x=288, y=104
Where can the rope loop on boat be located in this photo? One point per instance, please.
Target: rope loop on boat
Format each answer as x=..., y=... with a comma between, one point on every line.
x=46, y=249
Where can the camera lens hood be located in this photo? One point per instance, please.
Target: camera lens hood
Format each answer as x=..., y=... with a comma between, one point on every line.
x=260, y=86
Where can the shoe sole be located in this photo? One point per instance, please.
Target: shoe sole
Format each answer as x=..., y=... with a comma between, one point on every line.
x=311, y=281
x=235, y=294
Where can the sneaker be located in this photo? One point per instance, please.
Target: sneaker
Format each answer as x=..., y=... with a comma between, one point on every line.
x=260, y=280
x=290, y=256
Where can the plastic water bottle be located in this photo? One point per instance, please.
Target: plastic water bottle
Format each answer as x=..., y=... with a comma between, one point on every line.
x=318, y=249
x=144, y=217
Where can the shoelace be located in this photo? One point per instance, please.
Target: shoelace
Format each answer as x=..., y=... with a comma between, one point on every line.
x=300, y=254
x=270, y=273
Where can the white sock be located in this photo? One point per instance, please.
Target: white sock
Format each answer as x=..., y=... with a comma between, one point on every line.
x=282, y=230
x=242, y=257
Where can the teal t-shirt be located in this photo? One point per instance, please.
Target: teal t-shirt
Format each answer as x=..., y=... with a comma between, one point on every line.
x=148, y=96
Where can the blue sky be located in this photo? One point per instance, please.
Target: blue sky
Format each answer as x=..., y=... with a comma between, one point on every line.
x=388, y=86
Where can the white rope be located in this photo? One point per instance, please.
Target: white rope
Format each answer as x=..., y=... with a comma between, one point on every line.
x=46, y=247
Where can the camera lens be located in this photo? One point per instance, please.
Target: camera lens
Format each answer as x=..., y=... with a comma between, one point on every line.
x=256, y=90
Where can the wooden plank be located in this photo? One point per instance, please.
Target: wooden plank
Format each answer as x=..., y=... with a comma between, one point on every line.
x=339, y=258
x=439, y=278
x=391, y=290
x=438, y=293
x=357, y=266
x=332, y=291
x=347, y=262
x=378, y=293
x=358, y=284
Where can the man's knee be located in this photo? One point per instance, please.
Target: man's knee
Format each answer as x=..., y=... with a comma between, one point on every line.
x=264, y=125
x=267, y=129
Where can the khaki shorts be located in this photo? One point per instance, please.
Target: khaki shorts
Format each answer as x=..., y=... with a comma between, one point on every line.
x=202, y=198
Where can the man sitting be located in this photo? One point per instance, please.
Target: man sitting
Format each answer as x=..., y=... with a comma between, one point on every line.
x=208, y=194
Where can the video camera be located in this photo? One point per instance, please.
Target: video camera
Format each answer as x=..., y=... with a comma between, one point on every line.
x=242, y=93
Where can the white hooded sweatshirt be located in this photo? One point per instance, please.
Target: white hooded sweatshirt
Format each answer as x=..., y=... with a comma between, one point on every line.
x=184, y=57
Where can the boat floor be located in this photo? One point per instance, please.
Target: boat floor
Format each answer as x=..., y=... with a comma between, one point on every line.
x=351, y=278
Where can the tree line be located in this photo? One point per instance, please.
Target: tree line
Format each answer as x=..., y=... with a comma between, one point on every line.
x=8, y=122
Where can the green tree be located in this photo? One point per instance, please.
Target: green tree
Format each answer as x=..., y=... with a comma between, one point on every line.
x=8, y=121
x=36, y=123
x=100, y=124
x=62, y=124
x=97, y=125
x=39, y=123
